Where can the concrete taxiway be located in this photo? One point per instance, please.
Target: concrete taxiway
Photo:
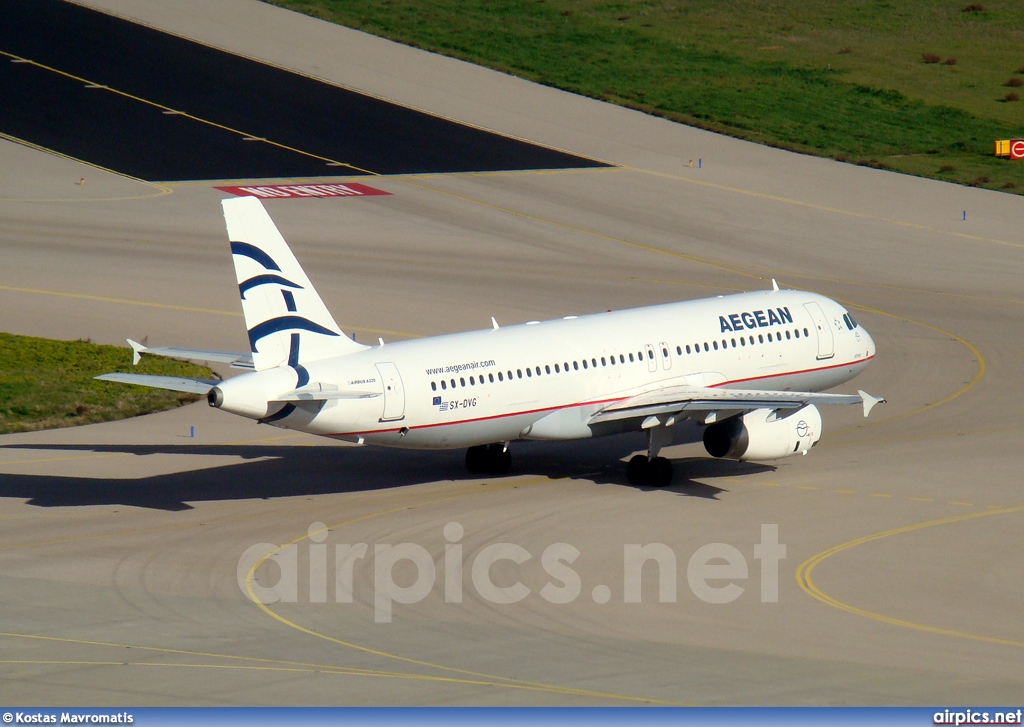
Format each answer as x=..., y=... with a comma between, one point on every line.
x=123, y=579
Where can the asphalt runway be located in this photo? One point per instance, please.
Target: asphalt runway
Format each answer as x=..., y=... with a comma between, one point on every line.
x=156, y=106
x=124, y=574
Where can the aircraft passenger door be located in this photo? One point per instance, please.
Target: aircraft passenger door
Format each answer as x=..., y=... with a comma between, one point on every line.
x=826, y=341
x=394, y=392
x=652, y=361
x=666, y=356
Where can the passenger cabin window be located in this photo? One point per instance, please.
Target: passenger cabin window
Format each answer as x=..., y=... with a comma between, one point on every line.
x=433, y=386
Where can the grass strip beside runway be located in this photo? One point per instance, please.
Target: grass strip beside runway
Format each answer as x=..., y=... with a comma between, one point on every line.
x=920, y=87
x=47, y=384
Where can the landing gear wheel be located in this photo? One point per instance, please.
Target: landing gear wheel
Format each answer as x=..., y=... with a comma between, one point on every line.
x=659, y=472
x=501, y=461
x=493, y=459
x=476, y=460
x=636, y=470
x=655, y=472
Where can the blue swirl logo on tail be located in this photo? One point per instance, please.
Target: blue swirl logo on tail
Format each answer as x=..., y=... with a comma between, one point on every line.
x=268, y=279
x=285, y=323
x=251, y=251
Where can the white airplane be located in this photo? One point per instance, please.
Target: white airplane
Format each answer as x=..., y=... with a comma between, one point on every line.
x=740, y=372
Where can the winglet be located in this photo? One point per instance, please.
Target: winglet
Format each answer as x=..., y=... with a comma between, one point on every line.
x=137, y=350
x=869, y=401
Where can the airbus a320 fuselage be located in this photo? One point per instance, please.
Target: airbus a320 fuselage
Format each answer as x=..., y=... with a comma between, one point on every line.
x=743, y=373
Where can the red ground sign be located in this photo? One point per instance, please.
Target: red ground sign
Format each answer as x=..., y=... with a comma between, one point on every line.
x=283, y=191
x=1017, y=149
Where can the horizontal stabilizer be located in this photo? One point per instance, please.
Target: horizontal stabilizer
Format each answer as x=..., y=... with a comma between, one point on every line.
x=324, y=392
x=172, y=383
x=236, y=359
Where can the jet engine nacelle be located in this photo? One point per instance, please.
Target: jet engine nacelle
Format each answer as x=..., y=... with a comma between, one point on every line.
x=759, y=435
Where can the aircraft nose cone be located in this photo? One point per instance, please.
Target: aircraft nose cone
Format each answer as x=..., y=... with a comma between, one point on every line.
x=868, y=342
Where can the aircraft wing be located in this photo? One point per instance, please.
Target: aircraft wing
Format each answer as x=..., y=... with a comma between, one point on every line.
x=173, y=383
x=237, y=360
x=688, y=400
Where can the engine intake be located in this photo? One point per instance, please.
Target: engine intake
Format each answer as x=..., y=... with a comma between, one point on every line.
x=758, y=435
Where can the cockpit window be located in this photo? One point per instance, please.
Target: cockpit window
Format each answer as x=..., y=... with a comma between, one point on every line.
x=848, y=320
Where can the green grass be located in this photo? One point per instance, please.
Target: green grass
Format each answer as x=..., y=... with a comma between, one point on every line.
x=47, y=384
x=843, y=79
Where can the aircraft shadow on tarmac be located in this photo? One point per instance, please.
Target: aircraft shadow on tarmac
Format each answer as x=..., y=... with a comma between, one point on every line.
x=282, y=471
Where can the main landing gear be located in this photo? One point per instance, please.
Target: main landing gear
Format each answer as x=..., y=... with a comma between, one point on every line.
x=489, y=459
x=655, y=472
x=650, y=469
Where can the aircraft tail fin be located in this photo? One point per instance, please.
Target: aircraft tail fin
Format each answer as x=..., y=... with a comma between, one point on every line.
x=287, y=321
